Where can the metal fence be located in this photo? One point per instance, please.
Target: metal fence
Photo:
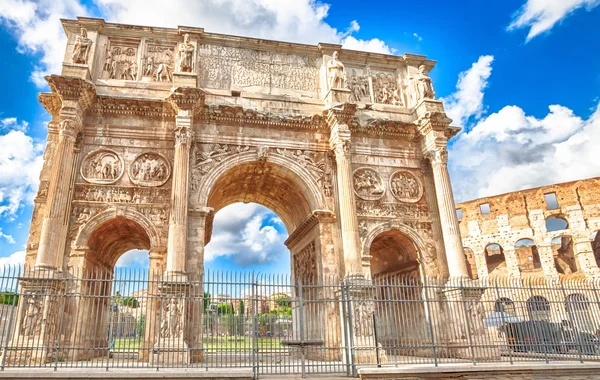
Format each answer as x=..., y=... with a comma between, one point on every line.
x=131, y=318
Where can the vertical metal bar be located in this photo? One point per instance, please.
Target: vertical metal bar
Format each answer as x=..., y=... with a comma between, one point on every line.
x=12, y=310
x=430, y=319
x=254, y=332
x=301, y=317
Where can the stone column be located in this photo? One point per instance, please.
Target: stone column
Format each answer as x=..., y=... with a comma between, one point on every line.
x=177, y=241
x=457, y=263
x=57, y=207
x=157, y=256
x=340, y=143
x=431, y=199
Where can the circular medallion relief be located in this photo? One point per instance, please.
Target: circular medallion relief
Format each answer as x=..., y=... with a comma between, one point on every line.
x=368, y=184
x=405, y=187
x=102, y=166
x=149, y=169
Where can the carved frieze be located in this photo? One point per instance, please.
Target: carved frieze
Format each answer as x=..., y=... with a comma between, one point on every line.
x=385, y=89
x=357, y=81
x=368, y=184
x=158, y=63
x=363, y=314
x=31, y=324
x=305, y=264
x=43, y=190
x=405, y=186
x=120, y=60
x=393, y=210
x=102, y=166
x=224, y=67
x=149, y=169
x=111, y=194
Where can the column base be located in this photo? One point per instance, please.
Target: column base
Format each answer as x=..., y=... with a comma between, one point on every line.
x=171, y=352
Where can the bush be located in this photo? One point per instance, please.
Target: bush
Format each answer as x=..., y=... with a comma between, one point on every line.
x=9, y=298
x=129, y=301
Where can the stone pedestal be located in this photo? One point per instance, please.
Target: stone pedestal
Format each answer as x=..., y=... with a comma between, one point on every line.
x=76, y=70
x=171, y=348
x=37, y=331
x=466, y=336
x=185, y=80
x=337, y=96
x=360, y=294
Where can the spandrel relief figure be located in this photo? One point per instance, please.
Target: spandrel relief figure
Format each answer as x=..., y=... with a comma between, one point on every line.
x=186, y=55
x=335, y=72
x=158, y=63
x=81, y=48
x=422, y=86
x=358, y=86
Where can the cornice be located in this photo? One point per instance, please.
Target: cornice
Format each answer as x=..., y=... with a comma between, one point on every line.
x=134, y=106
x=384, y=127
x=308, y=224
x=72, y=88
x=238, y=115
x=187, y=98
x=51, y=103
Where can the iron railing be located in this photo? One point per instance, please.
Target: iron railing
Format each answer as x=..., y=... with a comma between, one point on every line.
x=276, y=325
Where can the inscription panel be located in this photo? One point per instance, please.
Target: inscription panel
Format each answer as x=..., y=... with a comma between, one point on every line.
x=225, y=67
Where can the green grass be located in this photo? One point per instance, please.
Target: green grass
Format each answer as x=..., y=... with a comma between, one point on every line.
x=228, y=343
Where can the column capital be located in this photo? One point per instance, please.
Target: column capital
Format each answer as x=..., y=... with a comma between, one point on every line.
x=340, y=139
x=184, y=135
x=437, y=155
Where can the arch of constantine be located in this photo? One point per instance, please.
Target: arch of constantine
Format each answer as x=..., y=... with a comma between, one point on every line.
x=154, y=130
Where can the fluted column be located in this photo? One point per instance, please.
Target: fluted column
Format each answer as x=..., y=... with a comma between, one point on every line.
x=58, y=196
x=177, y=241
x=457, y=264
x=340, y=143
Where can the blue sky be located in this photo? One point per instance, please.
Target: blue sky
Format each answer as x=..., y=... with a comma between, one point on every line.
x=521, y=77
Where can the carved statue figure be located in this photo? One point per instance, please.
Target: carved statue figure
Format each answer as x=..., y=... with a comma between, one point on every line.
x=422, y=86
x=362, y=319
x=335, y=72
x=170, y=326
x=149, y=70
x=186, y=55
x=81, y=47
x=32, y=320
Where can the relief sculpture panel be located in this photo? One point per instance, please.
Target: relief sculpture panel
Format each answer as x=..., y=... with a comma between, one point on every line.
x=405, y=187
x=158, y=63
x=385, y=89
x=149, y=169
x=102, y=166
x=120, y=60
x=368, y=184
x=357, y=81
x=223, y=67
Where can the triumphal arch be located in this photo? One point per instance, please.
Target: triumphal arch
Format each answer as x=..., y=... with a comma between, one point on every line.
x=153, y=130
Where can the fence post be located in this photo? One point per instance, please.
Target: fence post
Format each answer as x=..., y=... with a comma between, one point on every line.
x=10, y=322
x=61, y=316
x=430, y=320
x=344, y=326
x=501, y=311
x=254, y=333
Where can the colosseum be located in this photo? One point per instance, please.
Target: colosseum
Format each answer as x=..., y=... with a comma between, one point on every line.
x=548, y=231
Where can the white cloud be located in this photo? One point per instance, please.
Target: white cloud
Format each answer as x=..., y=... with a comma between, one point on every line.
x=134, y=258
x=510, y=150
x=243, y=234
x=7, y=237
x=20, y=164
x=417, y=36
x=37, y=26
x=12, y=124
x=39, y=31
x=17, y=258
x=467, y=101
x=541, y=15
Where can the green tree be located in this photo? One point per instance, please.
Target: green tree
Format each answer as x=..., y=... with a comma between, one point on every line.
x=242, y=308
x=224, y=308
x=9, y=298
x=129, y=301
x=140, y=325
x=283, y=301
